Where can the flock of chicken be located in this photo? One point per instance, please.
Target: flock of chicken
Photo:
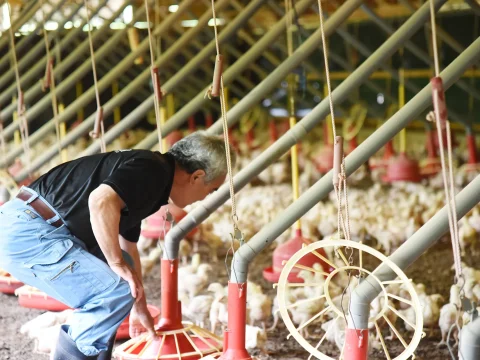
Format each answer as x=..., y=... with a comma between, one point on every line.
x=380, y=216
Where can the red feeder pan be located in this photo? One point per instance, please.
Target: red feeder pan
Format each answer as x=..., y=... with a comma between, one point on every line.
x=155, y=223
x=8, y=284
x=402, y=168
x=285, y=251
x=122, y=332
x=374, y=163
x=176, y=340
x=32, y=298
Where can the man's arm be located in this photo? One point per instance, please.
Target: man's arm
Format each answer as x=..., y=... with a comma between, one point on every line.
x=132, y=250
x=105, y=206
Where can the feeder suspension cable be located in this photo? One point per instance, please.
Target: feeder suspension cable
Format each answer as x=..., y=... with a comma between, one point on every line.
x=218, y=85
x=20, y=99
x=157, y=98
x=442, y=122
x=98, y=130
x=49, y=82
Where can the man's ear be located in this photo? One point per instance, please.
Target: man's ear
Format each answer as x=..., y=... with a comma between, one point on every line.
x=196, y=175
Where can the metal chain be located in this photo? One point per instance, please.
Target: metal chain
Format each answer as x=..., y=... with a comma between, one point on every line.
x=156, y=102
x=51, y=80
x=94, y=70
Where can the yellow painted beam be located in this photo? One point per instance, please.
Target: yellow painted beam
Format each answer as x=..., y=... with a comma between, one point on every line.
x=382, y=75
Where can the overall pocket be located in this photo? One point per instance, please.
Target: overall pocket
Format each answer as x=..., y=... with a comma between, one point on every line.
x=71, y=273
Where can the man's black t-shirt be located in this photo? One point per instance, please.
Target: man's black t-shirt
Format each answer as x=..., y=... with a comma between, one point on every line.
x=142, y=178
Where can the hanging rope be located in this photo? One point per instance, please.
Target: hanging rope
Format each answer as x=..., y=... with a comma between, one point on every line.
x=49, y=82
x=22, y=118
x=98, y=129
x=155, y=82
x=339, y=176
x=440, y=110
x=218, y=89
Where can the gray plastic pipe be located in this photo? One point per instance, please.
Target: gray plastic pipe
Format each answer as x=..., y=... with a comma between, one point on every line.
x=394, y=74
x=70, y=81
x=229, y=74
x=282, y=145
x=26, y=40
x=418, y=52
x=136, y=115
x=17, y=24
x=212, y=202
x=267, y=85
x=469, y=348
x=33, y=53
x=353, y=161
x=87, y=96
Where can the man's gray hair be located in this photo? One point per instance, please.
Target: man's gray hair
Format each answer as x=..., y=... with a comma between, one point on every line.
x=202, y=151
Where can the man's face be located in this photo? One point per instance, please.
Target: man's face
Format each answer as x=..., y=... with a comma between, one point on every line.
x=196, y=189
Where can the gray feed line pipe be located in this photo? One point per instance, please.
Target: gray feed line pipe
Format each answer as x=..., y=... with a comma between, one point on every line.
x=282, y=145
x=88, y=95
x=268, y=84
x=136, y=115
x=62, y=87
x=418, y=52
x=208, y=50
x=408, y=84
x=24, y=16
x=31, y=57
x=26, y=40
x=353, y=161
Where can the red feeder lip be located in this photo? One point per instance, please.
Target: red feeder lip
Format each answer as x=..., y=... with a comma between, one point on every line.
x=39, y=300
x=123, y=329
x=155, y=224
x=403, y=168
x=284, y=252
x=8, y=284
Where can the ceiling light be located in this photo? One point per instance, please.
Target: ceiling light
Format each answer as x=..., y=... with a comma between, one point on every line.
x=189, y=23
x=173, y=8
x=128, y=14
x=68, y=25
x=117, y=25
x=220, y=22
x=51, y=25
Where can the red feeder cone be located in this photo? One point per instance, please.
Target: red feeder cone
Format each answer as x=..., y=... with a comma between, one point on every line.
x=234, y=337
x=324, y=159
x=272, y=129
x=356, y=344
x=8, y=284
x=173, y=137
x=285, y=251
x=472, y=149
x=431, y=165
x=191, y=124
x=403, y=168
x=175, y=340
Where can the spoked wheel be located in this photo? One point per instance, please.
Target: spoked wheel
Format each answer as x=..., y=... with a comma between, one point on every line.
x=325, y=296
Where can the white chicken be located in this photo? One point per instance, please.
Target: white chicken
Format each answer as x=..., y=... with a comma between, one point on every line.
x=335, y=331
x=192, y=284
x=448, y=314
x=255, y=338
x=219, y=307
x=259, y=305
x=467, y=235
x=197, y=308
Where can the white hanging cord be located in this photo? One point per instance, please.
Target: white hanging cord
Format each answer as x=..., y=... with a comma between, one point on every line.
x=157, y=98
x=218, y=80
x=98, y=131
x=339, y=175
x=49, y=82
x=448, y=181
x=22, y=118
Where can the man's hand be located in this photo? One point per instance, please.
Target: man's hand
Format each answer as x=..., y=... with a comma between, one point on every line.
x=141, y=321
x=129, y=275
